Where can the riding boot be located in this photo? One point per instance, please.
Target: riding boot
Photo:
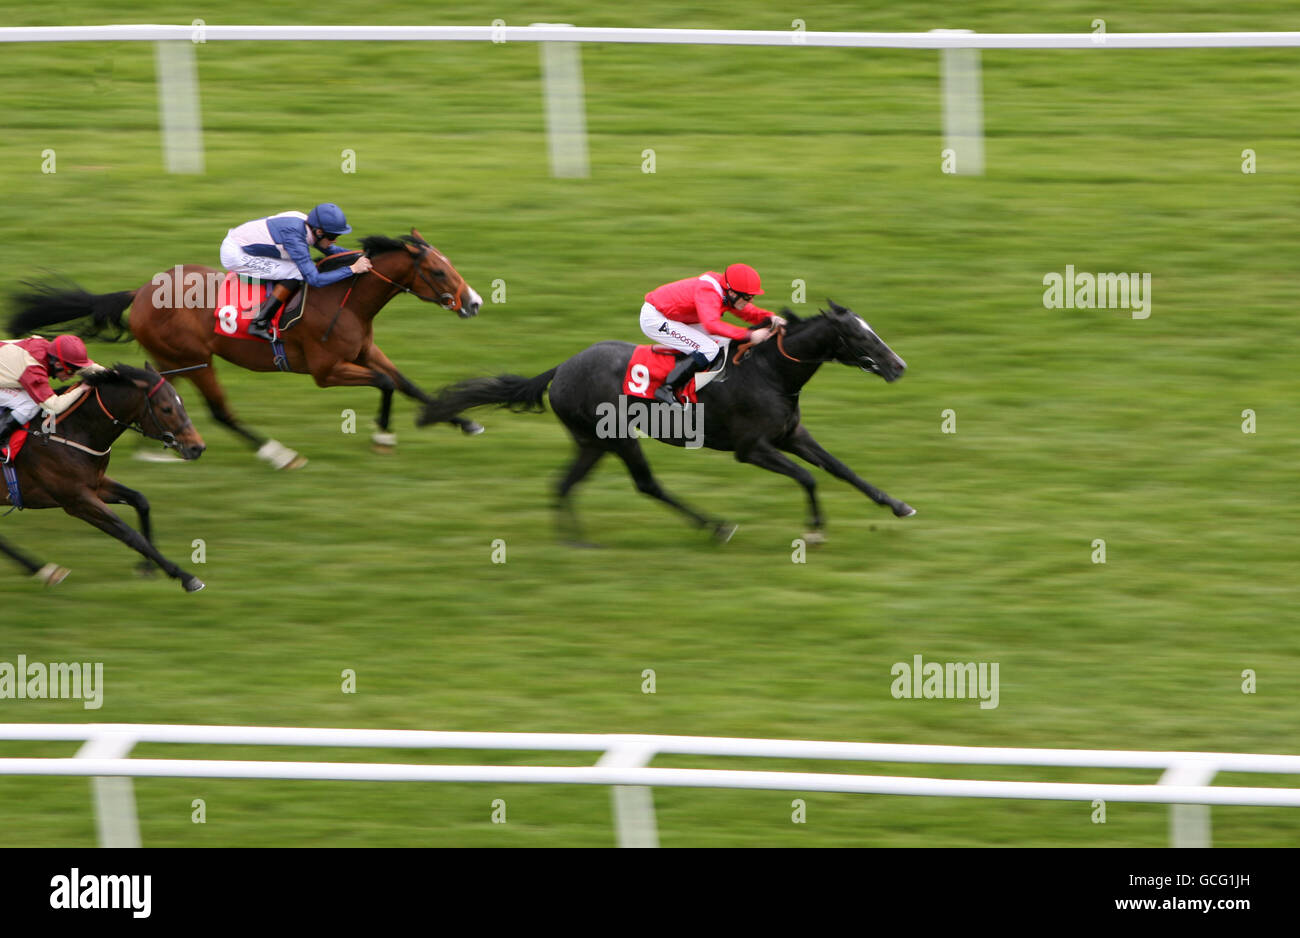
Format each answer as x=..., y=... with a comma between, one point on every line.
x=679, y=377
x=275, y=298
x=7, y=426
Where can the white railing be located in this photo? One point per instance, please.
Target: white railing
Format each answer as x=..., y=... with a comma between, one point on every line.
x=1184, y=784
x=962, y=91
x=499, y=32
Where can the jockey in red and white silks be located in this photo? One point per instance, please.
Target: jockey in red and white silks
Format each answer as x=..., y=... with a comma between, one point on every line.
x=686, y=314
x=26, y=367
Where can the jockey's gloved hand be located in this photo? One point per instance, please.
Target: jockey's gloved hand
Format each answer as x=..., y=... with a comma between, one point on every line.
x=759, y=335
x=775, y=321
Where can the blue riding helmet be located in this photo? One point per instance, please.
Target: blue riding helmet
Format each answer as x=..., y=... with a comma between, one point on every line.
x=329, y=217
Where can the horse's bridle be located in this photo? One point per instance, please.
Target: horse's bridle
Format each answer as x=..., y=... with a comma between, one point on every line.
x=780, y=347
x=454, y=303
x=168, y=438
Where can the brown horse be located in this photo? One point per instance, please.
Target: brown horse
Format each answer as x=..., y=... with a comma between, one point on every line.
x=174, y=318
x=65, y=467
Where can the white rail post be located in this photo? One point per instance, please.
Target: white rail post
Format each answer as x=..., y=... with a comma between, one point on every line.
x=566, y=108
x=115, y=815
x=178, y=106
x=1189, y=824
x=963, y=106
x=634, y=805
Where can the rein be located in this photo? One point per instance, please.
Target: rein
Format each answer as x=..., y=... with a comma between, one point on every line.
x=780, y=346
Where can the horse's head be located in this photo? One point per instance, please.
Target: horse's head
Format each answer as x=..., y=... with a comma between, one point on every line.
x=859, y=344
x=434, y=279
x=144, y=398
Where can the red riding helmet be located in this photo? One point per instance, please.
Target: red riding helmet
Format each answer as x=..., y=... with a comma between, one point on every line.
x=70, y=352
x=743, y=279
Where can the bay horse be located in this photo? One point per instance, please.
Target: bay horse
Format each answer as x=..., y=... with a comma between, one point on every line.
x=174, y=318
x=64, y=467
x=752, y=411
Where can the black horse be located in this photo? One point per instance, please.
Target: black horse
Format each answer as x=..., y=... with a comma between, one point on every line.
x=752, y=409
x=50, y=574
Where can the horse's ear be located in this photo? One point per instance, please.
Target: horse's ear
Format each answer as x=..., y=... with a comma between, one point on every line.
x=418, y=237
x=836, y=307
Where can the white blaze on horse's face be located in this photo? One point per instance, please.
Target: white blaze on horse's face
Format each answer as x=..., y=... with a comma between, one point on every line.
x=898, y=362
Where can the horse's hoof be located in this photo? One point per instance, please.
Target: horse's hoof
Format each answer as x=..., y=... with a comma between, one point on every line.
x=280, y=456
x=813, y=538
x=51, y=574
x=904, y=510
x=193, y=584
x=381, y=441
x=146, y=569
x=723, y=530
x=471, y=428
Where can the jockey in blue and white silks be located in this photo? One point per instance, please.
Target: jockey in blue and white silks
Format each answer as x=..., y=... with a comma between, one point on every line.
x=278, y=248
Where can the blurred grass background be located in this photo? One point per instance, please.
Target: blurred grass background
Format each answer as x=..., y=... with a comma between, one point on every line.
x=816, y=164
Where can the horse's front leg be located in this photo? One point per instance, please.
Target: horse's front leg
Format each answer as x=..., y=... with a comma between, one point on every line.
x=113, y=492
x=350, y=374
x=89, y=508
x=375, y=358
x=801, y=443
x=763, y=454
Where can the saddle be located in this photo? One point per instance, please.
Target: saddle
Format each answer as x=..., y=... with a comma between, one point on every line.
x=714, y=373
x=238, y=301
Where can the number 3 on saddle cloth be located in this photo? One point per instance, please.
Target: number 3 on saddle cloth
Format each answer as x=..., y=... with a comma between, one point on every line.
x=650, y=365
x=238, y=303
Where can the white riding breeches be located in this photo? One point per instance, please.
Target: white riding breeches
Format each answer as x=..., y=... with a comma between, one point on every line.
x=678, y=335
x=237, y=261
x=19, y=403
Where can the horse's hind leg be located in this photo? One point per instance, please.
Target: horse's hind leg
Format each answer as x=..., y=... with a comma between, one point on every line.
x=804, y=446
x=49, y=574
x=113, y=492
x=278, y=455
x=90, y=509
x=571, y=530
x=630, y=452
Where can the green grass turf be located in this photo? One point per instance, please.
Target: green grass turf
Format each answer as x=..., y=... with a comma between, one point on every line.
x=821, y=165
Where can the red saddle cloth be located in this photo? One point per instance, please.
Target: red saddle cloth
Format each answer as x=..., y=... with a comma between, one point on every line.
x=237, y=306
x=648, y=368
x=14, y=446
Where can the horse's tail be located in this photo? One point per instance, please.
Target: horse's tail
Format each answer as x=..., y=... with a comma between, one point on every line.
x=513, y=391
x=42, y=306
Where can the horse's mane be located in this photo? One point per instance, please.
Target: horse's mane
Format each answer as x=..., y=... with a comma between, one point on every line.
x=118, y=374
x=373, y=245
